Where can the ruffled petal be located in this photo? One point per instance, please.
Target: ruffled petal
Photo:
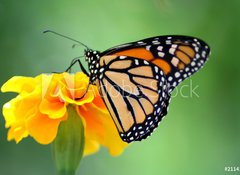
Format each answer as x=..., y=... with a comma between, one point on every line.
x=19, y=84
x=54, y=109
x=17, y=133
x=42, y=128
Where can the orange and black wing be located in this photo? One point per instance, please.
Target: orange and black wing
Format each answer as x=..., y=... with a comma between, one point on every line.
x=177, y=56
x=136, y=94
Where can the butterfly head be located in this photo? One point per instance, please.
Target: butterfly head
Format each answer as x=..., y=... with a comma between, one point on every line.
x=92, y=57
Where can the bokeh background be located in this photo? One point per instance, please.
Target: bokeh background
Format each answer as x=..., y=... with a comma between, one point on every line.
x=201, y=133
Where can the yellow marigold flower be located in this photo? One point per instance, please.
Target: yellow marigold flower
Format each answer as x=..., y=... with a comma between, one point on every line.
x=41, y=105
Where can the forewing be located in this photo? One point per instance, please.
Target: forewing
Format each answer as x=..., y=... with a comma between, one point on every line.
x=177, y=56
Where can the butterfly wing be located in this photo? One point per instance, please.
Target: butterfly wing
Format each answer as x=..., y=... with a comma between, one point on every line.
x=135, y=93
x=178, y=56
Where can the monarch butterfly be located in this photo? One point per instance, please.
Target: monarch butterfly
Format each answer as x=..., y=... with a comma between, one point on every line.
x=150, y=69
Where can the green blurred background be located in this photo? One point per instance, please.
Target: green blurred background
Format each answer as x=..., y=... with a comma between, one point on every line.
x=199, y=136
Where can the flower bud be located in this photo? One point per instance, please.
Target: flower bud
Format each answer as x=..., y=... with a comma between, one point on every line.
x=68, y=146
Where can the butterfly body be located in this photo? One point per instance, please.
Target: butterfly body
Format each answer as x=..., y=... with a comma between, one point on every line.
x=136, y=79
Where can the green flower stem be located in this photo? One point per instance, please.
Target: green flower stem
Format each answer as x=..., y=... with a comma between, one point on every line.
x=68, y=146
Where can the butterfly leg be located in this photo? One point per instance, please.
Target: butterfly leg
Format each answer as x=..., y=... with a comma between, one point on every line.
x=73, y=62
x=84, y=93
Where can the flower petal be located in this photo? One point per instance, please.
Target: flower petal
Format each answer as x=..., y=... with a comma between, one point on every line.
x=91, y=146
x=100, y=128
x=42, y=128
x=54, y=110
x=19, y=84
x=17, y=133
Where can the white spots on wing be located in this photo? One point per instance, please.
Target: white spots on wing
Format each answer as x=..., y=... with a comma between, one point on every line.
x=169, y=37
x=160, y=48
x=123, y=57
x=177, y=74
x=193, y=63
x=174, y=46
x=136, y=62
x=161, y=54
x=203, y=54
x=168, y=42
x=146, y=62
x=140, y=42
x=131, y=138
x=128, y=134
x=148, y=47
x=196, y=49
x=170, y=78
x=101, y=70
x=155, y=42
x=156, y=69
x=172, y=51
x=162, y=79
x=197, y=56
x=174, y=84
x=194, y=45
x=175, y=61
x=161, y=72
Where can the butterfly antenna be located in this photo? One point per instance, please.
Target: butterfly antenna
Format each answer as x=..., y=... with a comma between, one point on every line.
x=50, y=31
